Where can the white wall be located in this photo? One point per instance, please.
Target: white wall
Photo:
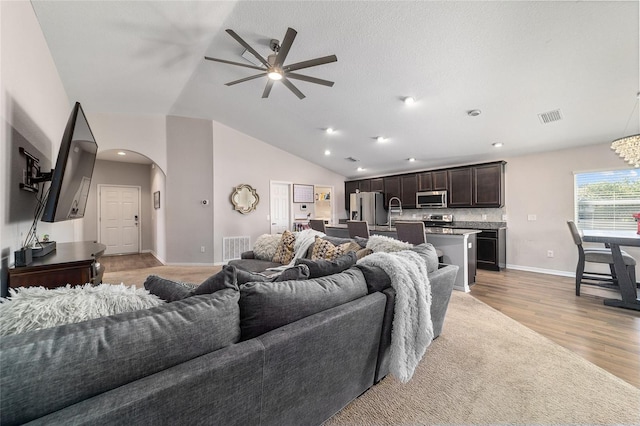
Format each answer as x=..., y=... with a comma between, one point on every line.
x=542, y=184
x=35, y=105
x=145, y=134
x=158, y=216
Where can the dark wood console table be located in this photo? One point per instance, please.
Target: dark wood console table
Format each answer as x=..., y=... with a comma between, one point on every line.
x=70, y=263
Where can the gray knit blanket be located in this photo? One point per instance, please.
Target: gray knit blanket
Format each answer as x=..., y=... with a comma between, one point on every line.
x=412, y=329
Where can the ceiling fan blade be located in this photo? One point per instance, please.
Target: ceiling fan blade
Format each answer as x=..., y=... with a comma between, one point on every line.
x=267, y=88
x=249, y=48
x=310, y=63
x=285, y=46
x=242, y=80
x=310, y=79
x=253, y=67
x=293, y=88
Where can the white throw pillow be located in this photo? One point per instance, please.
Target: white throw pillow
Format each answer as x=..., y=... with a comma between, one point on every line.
x=265, y=246
x=380, y=243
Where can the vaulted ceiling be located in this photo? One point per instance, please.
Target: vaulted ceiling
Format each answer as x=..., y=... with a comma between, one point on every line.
x=512, y=60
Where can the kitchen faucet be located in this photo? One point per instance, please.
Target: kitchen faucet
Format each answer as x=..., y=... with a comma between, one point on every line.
x=398, y=210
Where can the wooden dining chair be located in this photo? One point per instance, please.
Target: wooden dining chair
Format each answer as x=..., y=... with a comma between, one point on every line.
x=358, y=228
x=597, y=255
x=317, y=225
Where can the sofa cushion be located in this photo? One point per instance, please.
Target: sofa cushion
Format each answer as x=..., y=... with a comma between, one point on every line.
x=254, y=265
x=118, y=349
x=299, y=272
x=285, y=250
x=324, y=267
x=267, y=306
x=428, y=252
x=265, y=246
x=226, y=278
x=168, y=290
x=324, y=249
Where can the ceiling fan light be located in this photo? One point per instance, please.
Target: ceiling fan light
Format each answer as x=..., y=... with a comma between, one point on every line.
x=274, y=75
x=409, y=100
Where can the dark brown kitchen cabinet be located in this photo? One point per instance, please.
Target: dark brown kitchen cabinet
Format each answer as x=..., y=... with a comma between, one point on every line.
x=349, y=188
x=460, y=187
x=491, y=249
x=488, y=183
x=439, y=180
x=477, y=186
x=425, y=181
x=408, y=189
x=391, y=189
x=365, y=185
x=377, y=185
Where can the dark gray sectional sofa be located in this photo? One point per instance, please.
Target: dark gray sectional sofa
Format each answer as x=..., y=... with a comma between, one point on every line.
x=264, y=353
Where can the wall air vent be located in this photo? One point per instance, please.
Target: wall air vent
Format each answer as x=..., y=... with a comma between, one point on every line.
x=550, y=116
x=353, y=160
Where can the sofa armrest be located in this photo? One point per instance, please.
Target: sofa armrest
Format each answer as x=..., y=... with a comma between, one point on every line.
x=247, y=255
x=442, y=281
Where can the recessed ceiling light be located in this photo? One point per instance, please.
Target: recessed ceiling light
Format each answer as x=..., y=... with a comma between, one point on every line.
x=381, y=139
x=411, y=160
x=330, y=130
x=327, y=152
x=360, y=169
x=496, y=144
x=474, y=113
x=409, y=100
x=122, y=153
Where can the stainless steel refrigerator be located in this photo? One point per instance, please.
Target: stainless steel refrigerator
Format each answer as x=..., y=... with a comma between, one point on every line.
x=367, y=206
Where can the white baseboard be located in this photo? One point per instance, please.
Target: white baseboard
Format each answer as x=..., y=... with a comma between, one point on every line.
x=154, y=254
x=190, y=264
x=542, y=271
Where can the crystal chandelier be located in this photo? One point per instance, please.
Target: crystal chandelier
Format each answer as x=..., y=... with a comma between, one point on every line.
x=628, y=148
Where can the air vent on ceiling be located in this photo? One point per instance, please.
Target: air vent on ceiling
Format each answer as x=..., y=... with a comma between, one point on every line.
x=550, y=116
x=353, y=160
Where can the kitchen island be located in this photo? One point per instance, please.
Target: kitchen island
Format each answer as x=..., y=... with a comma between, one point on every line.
x=457, y=245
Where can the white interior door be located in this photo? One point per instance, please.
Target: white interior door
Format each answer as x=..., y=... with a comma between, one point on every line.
x=120, y=219
x=279, y=207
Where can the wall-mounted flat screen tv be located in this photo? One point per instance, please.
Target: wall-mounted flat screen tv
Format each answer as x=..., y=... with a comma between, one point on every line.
x=71, y=177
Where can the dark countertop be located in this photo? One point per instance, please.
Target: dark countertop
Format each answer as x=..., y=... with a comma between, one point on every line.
x=479, y=225
x=428, y=230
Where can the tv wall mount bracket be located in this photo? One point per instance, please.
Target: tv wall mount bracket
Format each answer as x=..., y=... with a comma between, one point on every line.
x=32, y=174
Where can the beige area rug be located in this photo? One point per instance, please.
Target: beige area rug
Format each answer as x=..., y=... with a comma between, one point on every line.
x=190, y=274
x=485, y=368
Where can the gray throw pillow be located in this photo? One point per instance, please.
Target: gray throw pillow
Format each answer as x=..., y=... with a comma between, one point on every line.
x=377, y=279
x=324, y=267
x=267, y=306
x=428, y=252
x=243, y=277
x=295, y=273
x=167, y=290
x=226, y=278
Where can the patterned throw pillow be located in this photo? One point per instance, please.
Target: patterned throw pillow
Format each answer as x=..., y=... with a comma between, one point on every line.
x=323, y=249
x=284, y=252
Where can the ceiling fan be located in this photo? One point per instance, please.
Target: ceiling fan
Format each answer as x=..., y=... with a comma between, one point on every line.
x=275, y=69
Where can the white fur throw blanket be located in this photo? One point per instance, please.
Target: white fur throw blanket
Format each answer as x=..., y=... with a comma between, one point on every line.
x=304, y=239
x=412, y=329
x=34, y=308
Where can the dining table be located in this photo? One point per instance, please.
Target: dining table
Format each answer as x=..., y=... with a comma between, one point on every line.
x=615, y=239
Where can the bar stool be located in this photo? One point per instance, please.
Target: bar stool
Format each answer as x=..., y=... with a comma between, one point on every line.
x=358, y=228
x=317, y=225
x=597, y=255
x=413, y=232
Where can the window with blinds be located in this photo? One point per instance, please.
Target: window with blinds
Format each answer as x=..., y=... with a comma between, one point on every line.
x=607, y=200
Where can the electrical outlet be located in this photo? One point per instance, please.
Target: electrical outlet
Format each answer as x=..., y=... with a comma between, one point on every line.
x=531, y=217
x=549, y=253
x=504, y=217
x=202, y=249
x=484, y=217
x=413, y=216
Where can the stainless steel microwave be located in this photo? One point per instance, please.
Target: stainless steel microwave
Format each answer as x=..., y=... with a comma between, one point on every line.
x=431, y=199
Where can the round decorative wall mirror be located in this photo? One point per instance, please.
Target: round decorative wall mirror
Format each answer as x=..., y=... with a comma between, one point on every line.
x=244, y=198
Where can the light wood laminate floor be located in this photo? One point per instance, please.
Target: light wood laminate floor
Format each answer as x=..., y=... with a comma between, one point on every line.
x=606, y=336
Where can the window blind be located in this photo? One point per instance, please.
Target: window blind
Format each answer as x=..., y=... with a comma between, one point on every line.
x=607, y=200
